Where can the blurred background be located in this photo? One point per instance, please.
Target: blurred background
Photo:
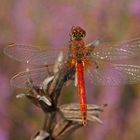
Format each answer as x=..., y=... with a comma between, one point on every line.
x=47, y=23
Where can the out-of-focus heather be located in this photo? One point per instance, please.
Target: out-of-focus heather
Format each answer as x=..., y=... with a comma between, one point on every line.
x=47, y=23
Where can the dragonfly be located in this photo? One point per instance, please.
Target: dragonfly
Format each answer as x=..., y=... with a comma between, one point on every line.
x=101, y=63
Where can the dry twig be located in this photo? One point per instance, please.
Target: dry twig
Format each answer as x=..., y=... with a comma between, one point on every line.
x=69, y=114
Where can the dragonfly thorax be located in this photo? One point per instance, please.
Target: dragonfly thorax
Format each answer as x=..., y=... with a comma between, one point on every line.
x=78, y=50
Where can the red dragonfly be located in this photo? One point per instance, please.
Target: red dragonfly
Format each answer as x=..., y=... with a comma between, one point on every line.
x=82, y=57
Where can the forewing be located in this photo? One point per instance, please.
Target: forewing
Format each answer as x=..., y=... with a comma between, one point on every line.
x=115, y=75
x=21, y=52
x=47, y=58
x=112, y=52
x=32, y=55
x=132, y=45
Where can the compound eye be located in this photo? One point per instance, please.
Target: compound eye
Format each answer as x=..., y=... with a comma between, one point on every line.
x=81, y=34
x=73, y=35
x=77, y=32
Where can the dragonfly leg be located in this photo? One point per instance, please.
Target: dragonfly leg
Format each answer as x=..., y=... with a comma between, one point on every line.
x=96, y=65
x=75, y=80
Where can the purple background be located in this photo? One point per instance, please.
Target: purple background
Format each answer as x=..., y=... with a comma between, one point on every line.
x=47, y=23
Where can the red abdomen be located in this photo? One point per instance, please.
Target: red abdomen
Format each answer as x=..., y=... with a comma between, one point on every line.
x=82, y=91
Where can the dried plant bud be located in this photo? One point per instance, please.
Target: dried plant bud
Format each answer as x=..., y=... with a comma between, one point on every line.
x=58, y=62
x=41, y=101
x=64, y=128
x=72, y=112
x=20, y=95
x=40, y=135
x=46, y=82
x=45, y=100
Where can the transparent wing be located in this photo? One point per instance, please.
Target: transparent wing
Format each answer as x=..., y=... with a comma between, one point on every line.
x=37, y=76
x=112, y=54
x=20, y=52
x=116, y=74
x=32, y=55
x=132, y=45
x=47, y=58
x=116, y=52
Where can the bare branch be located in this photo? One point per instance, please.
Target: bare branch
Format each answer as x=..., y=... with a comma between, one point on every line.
x=47, y=99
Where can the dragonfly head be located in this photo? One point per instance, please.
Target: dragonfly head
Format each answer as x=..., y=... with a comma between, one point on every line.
x=77, y=33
